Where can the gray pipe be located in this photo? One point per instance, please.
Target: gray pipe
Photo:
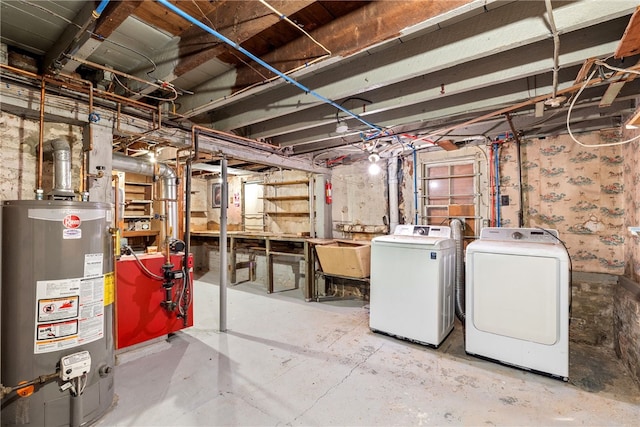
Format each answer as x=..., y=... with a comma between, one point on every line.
x=458, y=236
x=61, y=149
x=223, y=246
x=169, y=188
x=392, y=169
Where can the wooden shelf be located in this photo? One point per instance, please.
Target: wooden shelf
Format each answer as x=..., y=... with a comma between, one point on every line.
x=288, y=213
x=298, y=181
x=140, y=233
x=301, y=197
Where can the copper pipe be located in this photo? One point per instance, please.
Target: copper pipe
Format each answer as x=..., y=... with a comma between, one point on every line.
x=116, y=249
x=41, y=136
x=20, y=71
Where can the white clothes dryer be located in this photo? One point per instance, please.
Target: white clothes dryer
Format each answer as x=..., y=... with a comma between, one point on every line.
x=517, y=299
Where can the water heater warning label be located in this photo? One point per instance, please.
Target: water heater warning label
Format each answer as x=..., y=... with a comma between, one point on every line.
x=69, y=313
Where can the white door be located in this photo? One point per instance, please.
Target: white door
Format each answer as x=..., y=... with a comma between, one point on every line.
x=252, y=208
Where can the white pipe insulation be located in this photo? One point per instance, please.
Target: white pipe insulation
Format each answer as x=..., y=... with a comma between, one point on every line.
x=169, y=188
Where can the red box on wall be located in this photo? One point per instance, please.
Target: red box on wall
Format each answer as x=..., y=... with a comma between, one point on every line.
x=139, y=313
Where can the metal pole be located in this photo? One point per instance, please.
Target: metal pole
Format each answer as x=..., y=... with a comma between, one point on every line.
x=223, y=246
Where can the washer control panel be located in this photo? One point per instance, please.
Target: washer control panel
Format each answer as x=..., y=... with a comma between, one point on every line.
x=423, y=230
x=529, y=235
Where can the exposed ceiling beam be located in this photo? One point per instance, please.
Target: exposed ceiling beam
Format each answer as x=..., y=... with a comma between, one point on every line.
x=528, y=62
x=371, y=29
x=77, y=38
x=507, y=27
x=193, y=48
x=630, y=42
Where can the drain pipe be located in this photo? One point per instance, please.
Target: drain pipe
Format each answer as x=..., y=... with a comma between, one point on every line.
x=392, y=171
x=496, y=179
x=269, y=67
x=169, y=188
x=61, y=150
x=457, y=226
x=415, y=185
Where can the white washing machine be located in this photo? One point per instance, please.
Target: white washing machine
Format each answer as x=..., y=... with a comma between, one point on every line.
x=517, y=299
x=411, y=283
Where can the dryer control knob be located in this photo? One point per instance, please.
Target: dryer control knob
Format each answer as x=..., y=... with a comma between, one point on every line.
x=517, y=235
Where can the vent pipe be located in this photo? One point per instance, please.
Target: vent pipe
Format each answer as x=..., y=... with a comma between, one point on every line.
x=457, y=226
x=169, y=188
x=61, y=150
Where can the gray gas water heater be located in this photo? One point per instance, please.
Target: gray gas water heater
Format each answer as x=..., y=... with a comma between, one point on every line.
x=57, y=353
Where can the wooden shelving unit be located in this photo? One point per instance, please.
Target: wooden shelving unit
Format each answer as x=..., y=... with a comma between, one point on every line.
x=287, y=199
x=138, y=212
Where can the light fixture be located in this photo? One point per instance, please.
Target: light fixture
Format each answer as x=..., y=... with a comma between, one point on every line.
x=374, y=167
x=342, y=127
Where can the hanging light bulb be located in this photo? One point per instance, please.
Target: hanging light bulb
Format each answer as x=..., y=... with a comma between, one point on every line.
x=374, y=167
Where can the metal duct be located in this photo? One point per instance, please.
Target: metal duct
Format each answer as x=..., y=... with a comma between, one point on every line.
x=457, y=227
x=61, y=149
x=169, y=188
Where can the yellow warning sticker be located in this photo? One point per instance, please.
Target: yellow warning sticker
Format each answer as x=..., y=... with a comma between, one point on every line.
x=109, y=288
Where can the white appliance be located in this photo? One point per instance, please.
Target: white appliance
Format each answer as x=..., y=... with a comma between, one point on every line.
x=411, y=283
x=517, y=299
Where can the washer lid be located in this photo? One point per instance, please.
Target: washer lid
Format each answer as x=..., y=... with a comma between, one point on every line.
x=434, y=242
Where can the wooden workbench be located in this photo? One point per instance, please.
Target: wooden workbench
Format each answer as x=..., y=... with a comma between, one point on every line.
x=272, y=245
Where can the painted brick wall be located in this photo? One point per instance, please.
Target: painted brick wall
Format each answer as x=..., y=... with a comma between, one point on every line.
x=592, y=309
x=18, y=155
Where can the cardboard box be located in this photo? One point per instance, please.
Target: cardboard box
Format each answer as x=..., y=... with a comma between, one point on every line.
x=345, y=258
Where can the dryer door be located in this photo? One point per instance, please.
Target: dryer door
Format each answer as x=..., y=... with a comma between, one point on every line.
x=517, y=296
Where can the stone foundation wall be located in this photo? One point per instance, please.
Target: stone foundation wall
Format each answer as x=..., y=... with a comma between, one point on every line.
x=627, y=325
x=592, y=309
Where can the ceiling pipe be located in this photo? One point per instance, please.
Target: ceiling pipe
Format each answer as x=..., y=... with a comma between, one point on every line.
x=555, y=100
x=286, y=78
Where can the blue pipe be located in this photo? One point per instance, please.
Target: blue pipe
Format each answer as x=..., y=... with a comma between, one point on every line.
x=103, y=4
x=288, y=79
x=496, y=165
x=415, y=185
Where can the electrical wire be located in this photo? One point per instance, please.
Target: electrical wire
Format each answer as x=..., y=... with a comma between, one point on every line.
x=575, y=98
x=570, y=267
x=286, y=18
x=175, y=93
x=142, y=266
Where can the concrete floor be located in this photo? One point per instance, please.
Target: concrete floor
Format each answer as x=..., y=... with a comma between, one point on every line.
x=284, y=361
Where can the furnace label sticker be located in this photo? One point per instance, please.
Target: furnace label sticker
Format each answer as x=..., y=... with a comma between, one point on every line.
x=58, y=309
x=69, y=313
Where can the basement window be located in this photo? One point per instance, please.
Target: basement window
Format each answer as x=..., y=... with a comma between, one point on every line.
x=449, y=191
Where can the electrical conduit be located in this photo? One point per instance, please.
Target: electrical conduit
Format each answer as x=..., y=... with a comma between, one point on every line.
x=496, y=180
